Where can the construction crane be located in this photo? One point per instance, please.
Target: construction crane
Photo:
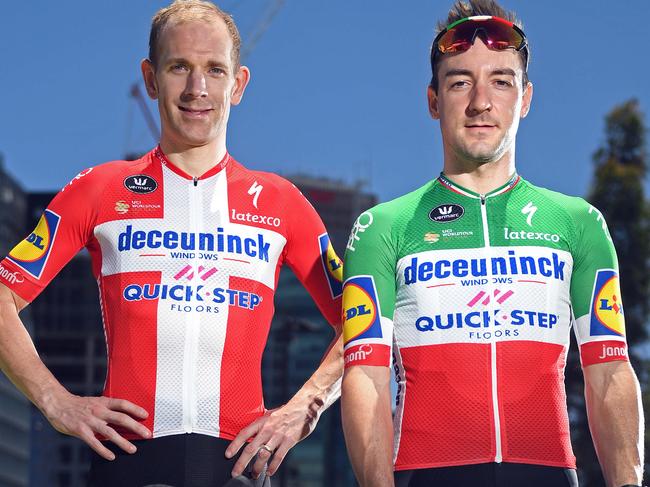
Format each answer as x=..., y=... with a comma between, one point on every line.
x=254, y=38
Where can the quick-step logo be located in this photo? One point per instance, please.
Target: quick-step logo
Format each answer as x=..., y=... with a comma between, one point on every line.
x=186, y=298
x=32, y=253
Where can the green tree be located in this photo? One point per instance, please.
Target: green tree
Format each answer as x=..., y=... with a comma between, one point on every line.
x=618, y=192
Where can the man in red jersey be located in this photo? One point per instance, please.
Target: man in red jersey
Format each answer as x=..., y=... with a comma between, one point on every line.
x=186, y=246
x=474, y=283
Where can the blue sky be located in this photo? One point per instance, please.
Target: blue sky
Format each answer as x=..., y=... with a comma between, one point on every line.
x=338, y=87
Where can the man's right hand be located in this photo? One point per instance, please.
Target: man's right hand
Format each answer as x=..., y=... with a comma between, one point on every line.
x=90, y=417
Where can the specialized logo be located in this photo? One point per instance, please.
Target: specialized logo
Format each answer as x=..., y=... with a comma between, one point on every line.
x=361, y=313
x=446, y=213
x=529, y=210
x=431, y=237
x=332, y=265
x=141, y=184
x=360, y=226
x=32, y=253
x=272, y=221
x=606, y=306
x=255, y=189
x=122, y=207
x=11, y=277
x=77, y=178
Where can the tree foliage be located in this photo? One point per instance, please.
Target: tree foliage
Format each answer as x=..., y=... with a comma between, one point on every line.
x=618, y=192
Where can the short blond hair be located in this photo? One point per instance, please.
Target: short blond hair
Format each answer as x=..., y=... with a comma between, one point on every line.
x=187, y=11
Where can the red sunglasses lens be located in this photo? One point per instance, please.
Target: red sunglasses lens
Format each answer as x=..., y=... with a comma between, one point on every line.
x=496, y=34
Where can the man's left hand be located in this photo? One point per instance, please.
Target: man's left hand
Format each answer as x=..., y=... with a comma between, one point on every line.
x=272, y=436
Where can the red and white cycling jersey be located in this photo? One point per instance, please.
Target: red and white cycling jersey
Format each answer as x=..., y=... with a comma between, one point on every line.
x=187, y=269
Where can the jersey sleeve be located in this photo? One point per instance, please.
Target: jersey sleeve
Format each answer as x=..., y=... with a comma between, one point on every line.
x=369, y=291
x=311, y=256
x=64, y=228
x=595, y=291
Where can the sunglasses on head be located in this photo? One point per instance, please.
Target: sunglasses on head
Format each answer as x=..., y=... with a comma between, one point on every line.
x=497, y=33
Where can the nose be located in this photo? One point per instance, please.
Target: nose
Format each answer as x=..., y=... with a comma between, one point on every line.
x=196, y=86
x=480, y=100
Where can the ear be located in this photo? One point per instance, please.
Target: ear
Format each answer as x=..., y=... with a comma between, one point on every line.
x=149, y=77
x=527, y=100
x=433, y=103
x=242, y=77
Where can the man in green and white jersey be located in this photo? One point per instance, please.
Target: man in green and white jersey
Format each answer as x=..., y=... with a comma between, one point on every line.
x=472, y=284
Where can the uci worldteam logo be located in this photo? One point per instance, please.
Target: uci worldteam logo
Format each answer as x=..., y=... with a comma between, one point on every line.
x=31, y=254
x=332, y=265
x=361, y=314
x=607, y=307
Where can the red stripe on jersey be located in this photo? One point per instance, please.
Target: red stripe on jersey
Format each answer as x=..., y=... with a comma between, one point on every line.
x=603, y=351
x=533, y=410
x=242, y=401
x=367, y=354
x=132, y=350
x=448, y=417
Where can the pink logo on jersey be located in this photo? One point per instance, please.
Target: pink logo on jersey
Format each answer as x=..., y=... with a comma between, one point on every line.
x=501, y=299
x=203, y=273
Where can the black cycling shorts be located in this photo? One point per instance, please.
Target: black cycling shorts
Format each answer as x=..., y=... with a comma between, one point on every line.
x=185, y=460
x=488, y=475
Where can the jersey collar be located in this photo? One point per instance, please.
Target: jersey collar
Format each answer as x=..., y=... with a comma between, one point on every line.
x=450, y=185
x=162, y=158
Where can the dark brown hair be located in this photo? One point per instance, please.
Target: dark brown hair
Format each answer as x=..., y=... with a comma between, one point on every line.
x=469, y=8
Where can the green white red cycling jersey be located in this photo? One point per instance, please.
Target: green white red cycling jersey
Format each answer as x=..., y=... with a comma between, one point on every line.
x=475, y=296
x=187, y=270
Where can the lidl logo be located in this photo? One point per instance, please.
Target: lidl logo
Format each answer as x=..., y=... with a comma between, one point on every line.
x=332, y=265
x=361, y=314
x=607, y=307
x=31, y=254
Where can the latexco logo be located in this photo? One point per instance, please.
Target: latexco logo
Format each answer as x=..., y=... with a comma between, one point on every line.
x=524, y=235
x=141, y=184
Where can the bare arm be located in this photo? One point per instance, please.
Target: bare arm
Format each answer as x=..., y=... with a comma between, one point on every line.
x=82, y=417
x=367, y=424
x=285, y=426
x=615, y=416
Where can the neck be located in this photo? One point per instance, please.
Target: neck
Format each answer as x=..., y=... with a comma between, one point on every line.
x=194, y=160
x=480, y=177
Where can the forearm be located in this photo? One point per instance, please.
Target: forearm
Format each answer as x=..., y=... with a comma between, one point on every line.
x=19, y=359
x=367, y=424
x=324, y=386
x=616, y=421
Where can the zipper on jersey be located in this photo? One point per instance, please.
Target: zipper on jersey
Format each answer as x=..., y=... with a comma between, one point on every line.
x=493, y=345
x=192, y=323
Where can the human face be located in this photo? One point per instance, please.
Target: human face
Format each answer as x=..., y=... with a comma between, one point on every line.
x=479, y=102
x=195, y=82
